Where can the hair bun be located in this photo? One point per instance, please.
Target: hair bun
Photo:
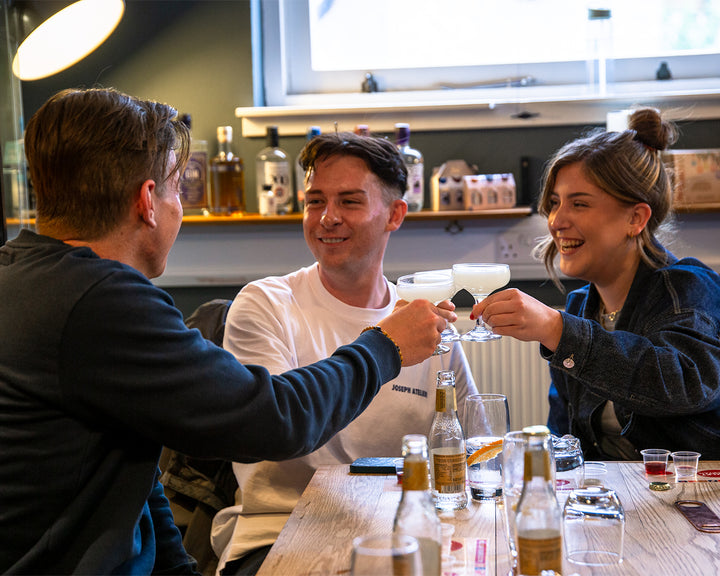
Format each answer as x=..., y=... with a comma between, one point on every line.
x=651, y=130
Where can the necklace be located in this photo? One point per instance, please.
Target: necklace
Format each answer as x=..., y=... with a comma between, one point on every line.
x=611, y=315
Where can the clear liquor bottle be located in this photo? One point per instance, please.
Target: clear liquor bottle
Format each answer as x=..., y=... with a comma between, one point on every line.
x=446, y=440
x=300, y=172
x=415, y=192
x=538, y=523
x=194, y=179
x=272, y=167
x=227, y=193
x=416, y=515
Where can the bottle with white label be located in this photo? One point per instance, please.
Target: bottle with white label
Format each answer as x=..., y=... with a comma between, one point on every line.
x=538, y=522
x=300, y=172
x=415, y=192
x=448, y=467
x=273, y=168
x=416, y=515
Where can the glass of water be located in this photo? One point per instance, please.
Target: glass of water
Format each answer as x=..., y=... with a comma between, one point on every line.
x=487, y=420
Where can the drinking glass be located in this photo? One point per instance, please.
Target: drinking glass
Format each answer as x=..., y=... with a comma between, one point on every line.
x=480, y=280
x=435, y=286
x=569, y=466
x=375, y=555
x=487, y=420
x=594, y=526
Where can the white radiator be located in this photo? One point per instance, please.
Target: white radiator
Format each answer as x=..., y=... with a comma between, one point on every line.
x=516, y=369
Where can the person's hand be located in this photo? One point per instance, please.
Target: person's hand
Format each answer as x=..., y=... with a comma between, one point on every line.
x=513, y=313
x=416, y=326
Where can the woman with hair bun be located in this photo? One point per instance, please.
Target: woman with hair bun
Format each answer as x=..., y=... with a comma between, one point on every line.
x=635, y=357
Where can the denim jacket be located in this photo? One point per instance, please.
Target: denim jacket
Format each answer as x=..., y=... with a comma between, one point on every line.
x=660, y=367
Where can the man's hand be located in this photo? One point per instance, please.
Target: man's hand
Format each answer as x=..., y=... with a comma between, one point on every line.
x=416, y=326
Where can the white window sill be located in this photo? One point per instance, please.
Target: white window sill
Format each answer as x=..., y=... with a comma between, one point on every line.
x=533, y=106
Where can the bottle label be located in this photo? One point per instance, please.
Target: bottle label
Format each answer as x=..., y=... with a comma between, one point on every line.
x=538, y=554
x=415, y=475
x=445, y=399
x=415, y=193
x=193, y=181
x=449, y=472
x=277, y=175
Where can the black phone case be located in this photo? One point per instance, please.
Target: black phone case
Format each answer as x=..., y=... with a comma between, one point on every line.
x=374, y=465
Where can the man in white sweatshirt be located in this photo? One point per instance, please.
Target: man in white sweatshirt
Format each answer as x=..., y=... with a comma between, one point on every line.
x=353, y=201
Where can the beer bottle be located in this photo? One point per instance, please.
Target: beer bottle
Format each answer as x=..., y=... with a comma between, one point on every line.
x=446, y=440
x=416, y=515
x=538, y=523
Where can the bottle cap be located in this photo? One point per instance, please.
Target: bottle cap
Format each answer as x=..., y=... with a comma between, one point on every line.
x=224, y=133
x=272, y=136
x=599, y=13
x=402, y=133
x=537, y=430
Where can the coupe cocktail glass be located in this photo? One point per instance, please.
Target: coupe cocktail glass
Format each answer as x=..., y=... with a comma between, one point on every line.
x=480, y=280
x=435, y=286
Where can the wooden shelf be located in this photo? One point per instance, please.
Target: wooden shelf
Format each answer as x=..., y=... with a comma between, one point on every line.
x=697, y=208
x=424, y=215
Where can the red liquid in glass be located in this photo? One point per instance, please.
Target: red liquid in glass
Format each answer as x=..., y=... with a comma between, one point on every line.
x=655, y=467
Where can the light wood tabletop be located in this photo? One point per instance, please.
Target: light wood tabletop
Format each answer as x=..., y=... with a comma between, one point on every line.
x=338, y=506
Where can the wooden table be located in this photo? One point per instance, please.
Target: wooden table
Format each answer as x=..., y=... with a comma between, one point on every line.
x=337, y=506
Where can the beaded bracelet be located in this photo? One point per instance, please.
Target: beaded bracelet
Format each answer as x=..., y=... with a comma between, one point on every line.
x=378, y=329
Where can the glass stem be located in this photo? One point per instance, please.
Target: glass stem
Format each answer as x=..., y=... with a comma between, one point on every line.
x=479, y=323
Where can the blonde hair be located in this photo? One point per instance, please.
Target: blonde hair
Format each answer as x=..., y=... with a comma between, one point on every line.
x=628, y=166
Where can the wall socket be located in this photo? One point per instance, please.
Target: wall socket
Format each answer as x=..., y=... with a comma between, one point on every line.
x=515, y=249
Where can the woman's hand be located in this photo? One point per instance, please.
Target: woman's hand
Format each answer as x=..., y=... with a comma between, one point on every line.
x=513, y=313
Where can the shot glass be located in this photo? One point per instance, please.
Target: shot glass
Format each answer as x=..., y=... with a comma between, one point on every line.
x=387, y=554
x=594, y=527
x=594, y=474
x=487, y=420
x=447, y=530
x=686, y=465
x=655, y=460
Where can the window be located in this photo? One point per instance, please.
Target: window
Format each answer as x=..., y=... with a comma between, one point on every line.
x=437, y=48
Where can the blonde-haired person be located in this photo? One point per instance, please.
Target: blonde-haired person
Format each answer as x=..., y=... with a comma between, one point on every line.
x=635, y=356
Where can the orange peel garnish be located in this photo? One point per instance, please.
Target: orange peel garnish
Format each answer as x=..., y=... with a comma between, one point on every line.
x=486, y=452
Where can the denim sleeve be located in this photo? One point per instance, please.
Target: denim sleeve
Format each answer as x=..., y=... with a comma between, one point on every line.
x=671, y=367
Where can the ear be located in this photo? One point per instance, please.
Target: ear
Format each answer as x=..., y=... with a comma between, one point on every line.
x=639, y=217
x=145, y=203
x=398, y=210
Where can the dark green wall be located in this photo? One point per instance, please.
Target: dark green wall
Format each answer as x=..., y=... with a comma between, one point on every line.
x=196, y=55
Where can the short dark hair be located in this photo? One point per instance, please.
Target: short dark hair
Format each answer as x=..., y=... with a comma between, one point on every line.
x=89, y=151
x=381, y=156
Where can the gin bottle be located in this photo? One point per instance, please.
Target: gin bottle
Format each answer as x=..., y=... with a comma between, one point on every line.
x=272, y=167
x=446, y=440
x=227, y=193
x=416, y=515
x=193, y=183
x=415, y=192
x=538, y=523
x=300, y=172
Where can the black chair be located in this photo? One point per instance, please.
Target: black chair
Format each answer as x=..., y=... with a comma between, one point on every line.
x=199, y=488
